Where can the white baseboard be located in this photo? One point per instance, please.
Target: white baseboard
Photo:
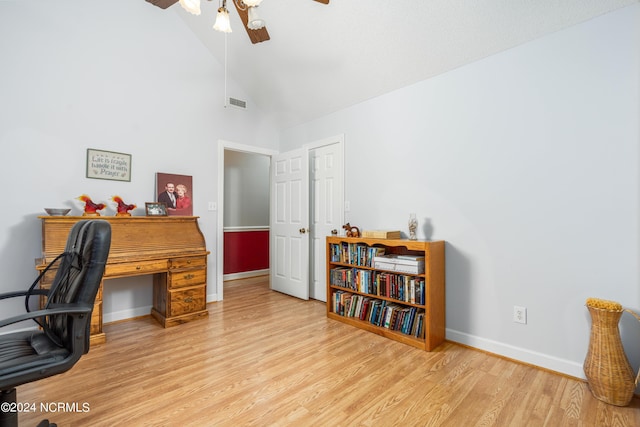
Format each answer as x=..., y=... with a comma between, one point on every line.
x=245, y=274
x=140, y=311
x=535, y=358
x=126, y=314
x=524, y=355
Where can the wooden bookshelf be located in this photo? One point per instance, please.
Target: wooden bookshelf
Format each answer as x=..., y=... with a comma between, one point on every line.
x=383, y=301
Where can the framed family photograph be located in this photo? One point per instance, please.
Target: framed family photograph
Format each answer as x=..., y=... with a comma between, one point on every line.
x=175, y=191
x=156, y=209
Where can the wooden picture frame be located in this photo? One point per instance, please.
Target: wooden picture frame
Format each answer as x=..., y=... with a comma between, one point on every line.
x=156, y=209
x=108, y=165
x=181, y=204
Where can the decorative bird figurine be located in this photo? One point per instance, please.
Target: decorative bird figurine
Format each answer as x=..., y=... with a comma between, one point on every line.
x=123, y=208
x=90, y=208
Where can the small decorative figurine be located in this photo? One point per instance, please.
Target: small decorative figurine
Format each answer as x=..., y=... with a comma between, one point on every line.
x=123, y=208
x=90, y=208
x=413, y=226
x=352, y=231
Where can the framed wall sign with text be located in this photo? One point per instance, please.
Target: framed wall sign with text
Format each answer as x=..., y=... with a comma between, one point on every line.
x=108, y=165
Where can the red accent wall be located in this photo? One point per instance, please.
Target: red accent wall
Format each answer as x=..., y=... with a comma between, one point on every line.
x=246, y=251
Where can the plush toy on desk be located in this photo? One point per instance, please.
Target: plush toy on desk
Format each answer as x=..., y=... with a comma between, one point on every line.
x=90, y=208
x=123, y=208
x=351, y=231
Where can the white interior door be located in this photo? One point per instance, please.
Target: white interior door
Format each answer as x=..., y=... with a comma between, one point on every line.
x=327, y=188
x=289, y=239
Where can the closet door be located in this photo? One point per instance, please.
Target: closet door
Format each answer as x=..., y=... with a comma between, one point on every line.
x=289, y=239
x=327, y=214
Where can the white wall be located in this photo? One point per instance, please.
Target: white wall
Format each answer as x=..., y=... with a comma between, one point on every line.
x=121, y=76
x=527, y=164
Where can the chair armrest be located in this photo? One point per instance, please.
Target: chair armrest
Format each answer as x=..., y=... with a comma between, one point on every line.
x=23, y=293
x=71, y=309
x=13, y=294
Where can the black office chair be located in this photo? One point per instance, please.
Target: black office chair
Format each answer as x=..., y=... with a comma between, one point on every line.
x=65, y=320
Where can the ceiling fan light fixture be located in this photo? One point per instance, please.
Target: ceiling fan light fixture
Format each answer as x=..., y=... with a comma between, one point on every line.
x=254, y=22
x=222, y=24
x=191, y=6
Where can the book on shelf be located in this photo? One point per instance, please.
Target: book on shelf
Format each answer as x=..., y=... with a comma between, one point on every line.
x=406, y=320
x=418, y=329
x=401, y=287
x=411, y=264
x=381, y=234
x=365, y=308
x=354, y=253
x=373, y=311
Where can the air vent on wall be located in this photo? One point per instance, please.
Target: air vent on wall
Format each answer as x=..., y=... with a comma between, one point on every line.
x=238, y=103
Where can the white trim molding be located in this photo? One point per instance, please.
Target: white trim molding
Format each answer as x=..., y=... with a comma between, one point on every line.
x=518, y=354
x=247, y=228
x=222, y=146
x=246, y=274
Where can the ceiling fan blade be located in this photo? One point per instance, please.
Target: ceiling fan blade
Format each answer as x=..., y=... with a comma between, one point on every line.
x=163, y=4
x=256, y=36
x=319, y=1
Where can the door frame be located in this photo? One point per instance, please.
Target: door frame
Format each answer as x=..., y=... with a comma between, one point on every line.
x=232, y=146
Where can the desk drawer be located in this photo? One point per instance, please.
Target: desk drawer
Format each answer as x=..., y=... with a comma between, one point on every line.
x=185, y=301
x=178, y=263
x=181, y=279
x=135, y=268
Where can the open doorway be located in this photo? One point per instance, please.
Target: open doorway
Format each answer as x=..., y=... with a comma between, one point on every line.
x=243, y=194
x=326, y=203
x=246, y=214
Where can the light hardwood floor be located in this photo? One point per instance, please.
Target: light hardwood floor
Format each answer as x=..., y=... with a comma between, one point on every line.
x=266, y=359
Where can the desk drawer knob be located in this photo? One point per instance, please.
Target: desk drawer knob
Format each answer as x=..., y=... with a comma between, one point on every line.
x=188, y=299
x=138, y=267
x=189, y=276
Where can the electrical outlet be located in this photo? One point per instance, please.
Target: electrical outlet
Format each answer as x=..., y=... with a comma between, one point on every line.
x=520, y=314
x=212, y=206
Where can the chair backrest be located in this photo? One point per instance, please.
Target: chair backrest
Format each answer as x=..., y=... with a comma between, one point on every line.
x=78, y=277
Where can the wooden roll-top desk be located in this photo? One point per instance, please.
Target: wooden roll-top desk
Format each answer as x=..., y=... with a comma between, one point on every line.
x=172, y=248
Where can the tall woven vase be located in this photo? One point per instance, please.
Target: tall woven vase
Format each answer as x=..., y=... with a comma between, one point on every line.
x=609, y=374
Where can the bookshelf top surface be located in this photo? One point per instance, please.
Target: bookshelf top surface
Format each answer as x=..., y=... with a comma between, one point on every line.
x=410, y=244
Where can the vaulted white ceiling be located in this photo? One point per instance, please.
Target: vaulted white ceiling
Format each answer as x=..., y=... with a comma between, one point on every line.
x=323, y=58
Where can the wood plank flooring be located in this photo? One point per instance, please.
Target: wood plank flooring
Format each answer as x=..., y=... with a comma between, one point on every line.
x=266, y=359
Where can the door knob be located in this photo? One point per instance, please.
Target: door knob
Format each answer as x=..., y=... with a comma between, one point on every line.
x=303, y=230
x=334, y=232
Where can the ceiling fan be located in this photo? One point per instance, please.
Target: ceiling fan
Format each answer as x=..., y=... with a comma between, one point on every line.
x=256, y=36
